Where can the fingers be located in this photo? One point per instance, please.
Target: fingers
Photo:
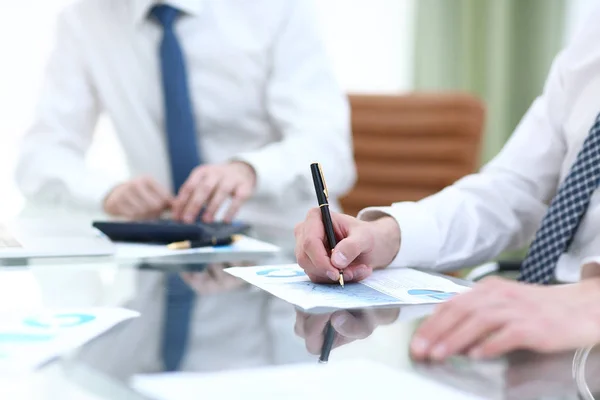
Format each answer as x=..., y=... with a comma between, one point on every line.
x=510, y=337
x=470, y=332
x=356, y=273
x=139, y=198
x=313, y=256
x=311, y=328
x=162, y=194
x=311, y=252
x=196, y=201
x=387, y=316
x=465, y=320
x=130, y=204
x=349, y=248
x=353, y=273
x=318, y=278
x=240, y=196
x=208, y=187
x=359, y=325
x=186, y=192
x=146, y=195
x=445, y=317
x=220, y=193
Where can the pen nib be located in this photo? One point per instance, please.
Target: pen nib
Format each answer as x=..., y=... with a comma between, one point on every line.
x=341, y=279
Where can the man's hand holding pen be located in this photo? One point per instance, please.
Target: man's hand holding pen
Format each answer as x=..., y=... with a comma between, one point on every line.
x=363, y=246
x=322, y=256
x=349, y=326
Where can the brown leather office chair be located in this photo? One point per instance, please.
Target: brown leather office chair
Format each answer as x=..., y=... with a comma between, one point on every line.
x=408, y=147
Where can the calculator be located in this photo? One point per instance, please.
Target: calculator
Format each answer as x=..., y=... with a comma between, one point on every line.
x=166, y=231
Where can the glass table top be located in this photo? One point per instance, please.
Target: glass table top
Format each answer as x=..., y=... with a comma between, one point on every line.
x=235, y=326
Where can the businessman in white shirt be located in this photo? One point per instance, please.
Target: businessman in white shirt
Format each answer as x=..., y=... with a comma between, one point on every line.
x=544, y=180
x=265, y=105
x=212, y=100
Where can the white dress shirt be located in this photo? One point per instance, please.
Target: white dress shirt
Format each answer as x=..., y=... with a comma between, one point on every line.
x=261, y=87
x=262, y=92
x=501, y=207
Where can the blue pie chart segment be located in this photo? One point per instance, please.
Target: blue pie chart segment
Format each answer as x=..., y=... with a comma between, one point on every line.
x=431, y=294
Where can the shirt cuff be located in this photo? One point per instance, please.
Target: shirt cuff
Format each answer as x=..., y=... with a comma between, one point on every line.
x=419, y=236
x=262, y=162
x=91, y=191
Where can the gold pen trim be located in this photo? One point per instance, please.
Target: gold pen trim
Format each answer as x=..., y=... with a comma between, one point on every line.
x=179, y=245
x=325, y=190
x=323, y=205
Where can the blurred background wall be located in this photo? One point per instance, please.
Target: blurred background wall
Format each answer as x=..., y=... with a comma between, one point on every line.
x=498, y=49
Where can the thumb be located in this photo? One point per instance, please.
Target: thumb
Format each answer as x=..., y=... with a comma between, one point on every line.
x=350, y=248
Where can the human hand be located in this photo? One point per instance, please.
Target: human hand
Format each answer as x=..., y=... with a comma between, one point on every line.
x=213, y=279
x=349, y=326
x=499, y=316
x=208, y=186
x=363, y=246
x=139, y=198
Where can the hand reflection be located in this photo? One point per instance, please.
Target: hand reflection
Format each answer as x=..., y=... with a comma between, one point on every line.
x=213, y=279
x=349, y=325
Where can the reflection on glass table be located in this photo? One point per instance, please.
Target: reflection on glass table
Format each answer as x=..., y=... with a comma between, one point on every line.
x=243, y=327
x=520, y=375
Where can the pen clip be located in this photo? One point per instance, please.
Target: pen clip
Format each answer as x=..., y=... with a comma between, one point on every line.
x=325, y=191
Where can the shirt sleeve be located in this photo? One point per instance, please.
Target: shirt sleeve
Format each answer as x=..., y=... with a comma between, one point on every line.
x=51, y=167
x=309, y=111
x=499, y=208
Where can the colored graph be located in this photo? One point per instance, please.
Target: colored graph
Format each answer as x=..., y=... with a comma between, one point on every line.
x=59, y=321
x=335, y=295
x=431, y=294
x=280, y=273
x=42, y=328
x=225, y=248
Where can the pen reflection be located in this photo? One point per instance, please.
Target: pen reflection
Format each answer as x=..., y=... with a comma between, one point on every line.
x=350, y=325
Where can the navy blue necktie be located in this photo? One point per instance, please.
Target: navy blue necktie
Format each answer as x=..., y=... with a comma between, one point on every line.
x=565, y=213
x=184, y=157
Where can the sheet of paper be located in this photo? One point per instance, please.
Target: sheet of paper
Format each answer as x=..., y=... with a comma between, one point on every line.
x=385, y=287
x=30, y=340
x=345, y=379
x=138, y=250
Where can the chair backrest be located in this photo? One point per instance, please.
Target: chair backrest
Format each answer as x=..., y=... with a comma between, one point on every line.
x=409, y=147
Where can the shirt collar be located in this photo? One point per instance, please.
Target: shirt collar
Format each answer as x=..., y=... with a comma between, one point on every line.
x=141, y=8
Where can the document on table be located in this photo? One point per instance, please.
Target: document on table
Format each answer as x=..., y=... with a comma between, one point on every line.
x=27, y=341
x=298, y=382
x=244, y=245
x=395, y=286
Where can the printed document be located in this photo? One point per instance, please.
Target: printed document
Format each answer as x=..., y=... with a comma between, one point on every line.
x=29, y=340
x=394, y=286
x=140, y=250
x=368, y=380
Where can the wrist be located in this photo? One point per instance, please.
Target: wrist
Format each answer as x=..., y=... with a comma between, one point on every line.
x=387, y=240
x=246, y=169
x=589, y=295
